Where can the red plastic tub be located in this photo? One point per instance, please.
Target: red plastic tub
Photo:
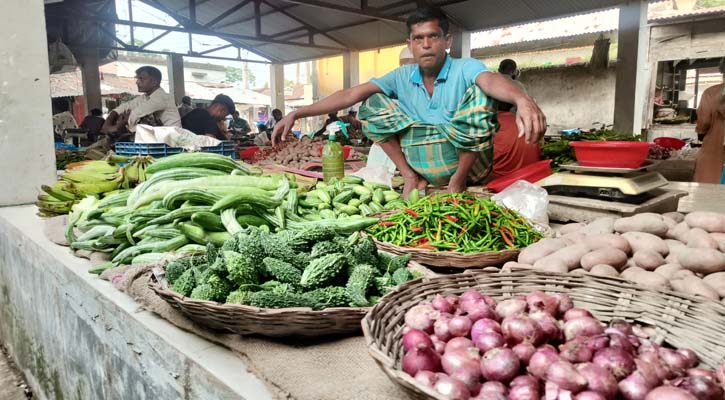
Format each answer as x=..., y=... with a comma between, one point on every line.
x=614, y=154
x=530, y=173
x=247, y=153
x=670, y=142
x=345, y=151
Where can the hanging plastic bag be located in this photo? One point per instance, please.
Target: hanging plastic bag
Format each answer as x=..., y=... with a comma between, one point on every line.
x=60, y=58
x=530, y=200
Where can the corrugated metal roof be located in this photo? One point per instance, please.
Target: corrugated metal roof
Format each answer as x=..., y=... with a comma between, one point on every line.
x=337, y=26
x=671, y=14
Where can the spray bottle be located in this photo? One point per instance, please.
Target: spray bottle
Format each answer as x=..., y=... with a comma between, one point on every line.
x=333, y=161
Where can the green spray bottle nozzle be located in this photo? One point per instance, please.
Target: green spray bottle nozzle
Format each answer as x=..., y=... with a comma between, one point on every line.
x=332, y=128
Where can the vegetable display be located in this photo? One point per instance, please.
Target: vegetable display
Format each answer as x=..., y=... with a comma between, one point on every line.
x=313, y=267
x=293, y=154
x=560, y=153
x=541, y=347
x=350, y=196
x=656, y=251
x=456, y=222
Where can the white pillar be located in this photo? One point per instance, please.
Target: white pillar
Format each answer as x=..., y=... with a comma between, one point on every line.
x=91, y=77
x=461, y=47
x=27, y=157
x=351, y=69
x=632, y=67
x=277, y=86
x=175, y=71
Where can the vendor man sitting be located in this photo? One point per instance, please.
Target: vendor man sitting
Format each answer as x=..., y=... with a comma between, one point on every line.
x=153, y=107
x=440, y=129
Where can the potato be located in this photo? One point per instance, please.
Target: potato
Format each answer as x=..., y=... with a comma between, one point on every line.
x=540, y=249
x=695, y=286
x=682, y=274
x=608, y=240
x=698, y=238
x=672, y=257
x=512, y=266
x=648, y=259
x=677, y=217
x=645, y=279
x=674, y=243
x=599, y=226
x=574, y=237
x=671, y=223
x=679, y=232
x=720, y=239
x=571, y=228
x=571, y=255
x=646, y=241
x=645, y=222
x=604, y=270
x=706, y=220
x=551, y=264
x=667, y=270
x=717, y=282
x=611, y=256
x=700, y=260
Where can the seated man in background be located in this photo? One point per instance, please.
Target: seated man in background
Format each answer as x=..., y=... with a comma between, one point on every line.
x=272, y=122
x=93, y=123
x=239, y=125
x=185, y=106
x=511, y=152
x=153, y=107
x=210, y=121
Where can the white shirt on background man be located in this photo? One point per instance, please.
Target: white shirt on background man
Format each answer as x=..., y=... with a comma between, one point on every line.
x=158, y=103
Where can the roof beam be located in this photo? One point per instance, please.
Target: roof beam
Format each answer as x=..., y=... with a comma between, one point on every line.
x=247, y=19
x=304, y=24
x=227, y=13
x=226, y=46
x=349, y=10
x=161, y=35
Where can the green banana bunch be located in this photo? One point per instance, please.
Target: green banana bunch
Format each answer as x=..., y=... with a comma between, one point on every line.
x=134, y=172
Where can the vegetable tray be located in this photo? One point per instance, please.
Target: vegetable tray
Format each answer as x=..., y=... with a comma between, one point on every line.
x=677, y=319
x=247, y=320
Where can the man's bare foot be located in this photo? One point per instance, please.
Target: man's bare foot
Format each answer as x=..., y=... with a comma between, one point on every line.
x=411, y=182
x=457, y=184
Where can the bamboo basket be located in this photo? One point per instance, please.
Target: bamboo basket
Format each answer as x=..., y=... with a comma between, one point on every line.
x=247, y=320
x=677, y=319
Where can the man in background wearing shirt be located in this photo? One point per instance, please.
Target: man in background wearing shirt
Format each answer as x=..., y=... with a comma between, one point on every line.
x=210, y=121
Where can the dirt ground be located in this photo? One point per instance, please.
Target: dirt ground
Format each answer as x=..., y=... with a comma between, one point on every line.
x=12, y=384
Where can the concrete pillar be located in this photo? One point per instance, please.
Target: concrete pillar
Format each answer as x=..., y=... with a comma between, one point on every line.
x=175, y=71
x=632, y=67
x=351, y=69
x=27, y=156
x=91, y=76
x=277, y=85
x=461, y=47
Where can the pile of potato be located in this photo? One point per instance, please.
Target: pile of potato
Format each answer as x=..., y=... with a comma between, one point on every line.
x=667, y=251
x=293, y=154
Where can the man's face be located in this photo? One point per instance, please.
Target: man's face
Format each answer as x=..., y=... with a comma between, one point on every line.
x=277, y=115
x=145, y=83
x=428, y=44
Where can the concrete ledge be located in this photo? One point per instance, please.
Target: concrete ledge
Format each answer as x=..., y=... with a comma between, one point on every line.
x=77, y=337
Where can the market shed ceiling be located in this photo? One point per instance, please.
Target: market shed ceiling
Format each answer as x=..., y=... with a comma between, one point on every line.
x=296, y=30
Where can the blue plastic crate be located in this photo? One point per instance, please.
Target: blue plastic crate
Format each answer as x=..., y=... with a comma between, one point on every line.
x=156, y=150
x=225, y=148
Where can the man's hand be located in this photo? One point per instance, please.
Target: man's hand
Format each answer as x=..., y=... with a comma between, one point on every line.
x=282, y=128
x=530, y=120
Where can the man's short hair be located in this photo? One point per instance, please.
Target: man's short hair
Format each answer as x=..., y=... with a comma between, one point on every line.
x=428, y=14
x=225, y=101
x=235, y=113
x=151, y=71
x=507, y=66
x=96, y=112
x=186, y=100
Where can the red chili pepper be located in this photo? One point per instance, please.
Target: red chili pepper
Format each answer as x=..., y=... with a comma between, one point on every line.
x=411, y=213
x=388, y=223
x=451, y=218
x=416, y=229
x=462, y=232
x=507, y=235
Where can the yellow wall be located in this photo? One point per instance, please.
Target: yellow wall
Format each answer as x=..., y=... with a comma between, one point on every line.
x=372, y=63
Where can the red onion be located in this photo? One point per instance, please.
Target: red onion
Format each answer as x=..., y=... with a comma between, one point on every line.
x=582, y=326
x=524, y=351
x=459, y=343
x=549, y=325
x=648, y=373
x=654, y=361
x=452, y=388
x=575, y=351
x=524, y=380
x=441, y=304
x=489, y=340
x=520, y=328
x=701, y=387
x=577, y=313
x=490, y=301
x=551, y=391
x=589, y=395
x=634, y=387
x=599, y=379
x=617, y=361
x=676, y=362
x=564, y=301
x=720, y=372
x=669, y=393
x=492, y=390
x=455, y=360
x=524, y=393
x=690, y=357
x=421, y=316
x=470, y=294
x=440, y=327
x=470, y=377
x=621, y=341
x=418, y=339
x=438, y=345
x=622, y=326
x=453, y=299
x=478, y=309
x=490, y=396
x=460, y=326
x=500, y=364
x=566, y=377
x=702, y=372
x=421, y=360
x=427, y=378
x=541, y=361
x=648, y=345
x=633, y=340
x=540, y=301
x=484, y=325
x=596, y=343
x=510, y=307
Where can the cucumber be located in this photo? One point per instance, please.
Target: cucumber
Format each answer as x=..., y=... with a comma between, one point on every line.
x=181, y=213
x=327, y=214
x=378, y=196
x=356, y=180
x=344, y=196
x=365, y=209
x=252, y=196
x=251, y=220
x=172, y=200
x=413, y=196
x=323, y=206
x=391, y=195
x=361, y=190
x=354, y=202
x=292, y=200
x=208, y=220
x=376, y=207
x=324, y=196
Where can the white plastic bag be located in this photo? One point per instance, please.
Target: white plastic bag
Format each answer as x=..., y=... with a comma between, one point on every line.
x=60, y=58
x=378, y=174
x=530, y=200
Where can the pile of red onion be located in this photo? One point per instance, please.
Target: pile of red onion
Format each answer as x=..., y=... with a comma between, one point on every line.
x=542, y=347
